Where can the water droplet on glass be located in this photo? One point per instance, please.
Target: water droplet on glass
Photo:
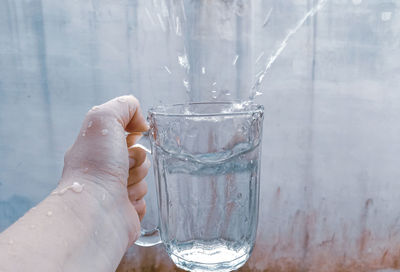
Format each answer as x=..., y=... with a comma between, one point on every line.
x=77, y=187
x=90, y=124
x=214, y=91
x=214, y=83
x=49, y=213
x=386, y=16
x=104, y=132
x=214, y=97
x=203, y=70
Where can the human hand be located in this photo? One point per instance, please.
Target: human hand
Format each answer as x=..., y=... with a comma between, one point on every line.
x=110, y=171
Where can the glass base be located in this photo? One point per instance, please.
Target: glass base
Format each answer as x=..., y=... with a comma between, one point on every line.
x=218, y=259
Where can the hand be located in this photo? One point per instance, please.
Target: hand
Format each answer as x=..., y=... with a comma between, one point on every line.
x=101, y=159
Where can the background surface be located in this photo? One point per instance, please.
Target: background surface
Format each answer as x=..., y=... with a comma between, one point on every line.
x=330, y=176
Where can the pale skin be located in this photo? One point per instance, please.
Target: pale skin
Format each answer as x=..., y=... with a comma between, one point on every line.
x=93, y=216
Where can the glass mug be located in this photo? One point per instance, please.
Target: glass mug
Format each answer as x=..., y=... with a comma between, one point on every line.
x=206, y=161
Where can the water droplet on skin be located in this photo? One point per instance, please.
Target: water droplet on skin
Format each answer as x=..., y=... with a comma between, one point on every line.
x=49, y=213
x=77, y=187
x=90, y=124
x=84, y=133
x=104, y=132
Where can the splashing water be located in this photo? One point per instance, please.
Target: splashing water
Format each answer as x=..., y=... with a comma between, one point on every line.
x=255, y=89
x=235, y=60
x=267, y=18
x=259, y=57
x=161, y=21
x=184, y=62
x=167, y=69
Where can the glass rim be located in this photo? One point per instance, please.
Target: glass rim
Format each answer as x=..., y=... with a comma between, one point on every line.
x=254, y=109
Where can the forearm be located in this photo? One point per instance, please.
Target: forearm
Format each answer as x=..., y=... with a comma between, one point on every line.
x=72, y=231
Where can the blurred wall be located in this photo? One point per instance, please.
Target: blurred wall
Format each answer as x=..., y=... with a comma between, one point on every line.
x=330, y=175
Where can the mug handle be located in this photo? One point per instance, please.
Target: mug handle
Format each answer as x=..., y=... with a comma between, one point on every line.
x=149, y=236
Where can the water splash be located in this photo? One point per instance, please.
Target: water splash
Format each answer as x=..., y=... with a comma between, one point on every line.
x=178, y=29
x=235, y=60
x=149, y=16
x=161, y=21
x=259, y=57
x=267, y=18
x=184, y=62
x=186, y=84
x=255, y=89
x=167, y=69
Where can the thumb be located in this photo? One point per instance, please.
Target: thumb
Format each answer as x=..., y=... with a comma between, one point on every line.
x=126, y=110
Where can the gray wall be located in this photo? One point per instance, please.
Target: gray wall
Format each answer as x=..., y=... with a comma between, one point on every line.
x=330, y=176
